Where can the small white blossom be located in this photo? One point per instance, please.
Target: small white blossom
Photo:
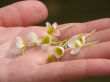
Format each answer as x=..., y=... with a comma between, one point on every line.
x=58, y=52
x=46, y=41
x=20, y=43
x=76, y=50
x=52, y=29
x=34, y=38
x=76, y=43
x=79, y=41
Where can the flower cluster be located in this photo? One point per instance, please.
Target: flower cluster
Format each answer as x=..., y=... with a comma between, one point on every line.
x=76, y=43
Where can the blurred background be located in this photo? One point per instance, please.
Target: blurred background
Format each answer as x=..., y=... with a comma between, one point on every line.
x=65, y=11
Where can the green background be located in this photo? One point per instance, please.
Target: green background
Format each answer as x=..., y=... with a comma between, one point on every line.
x=64, y=11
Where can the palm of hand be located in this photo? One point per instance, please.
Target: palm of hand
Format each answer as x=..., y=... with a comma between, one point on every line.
x=33, y=67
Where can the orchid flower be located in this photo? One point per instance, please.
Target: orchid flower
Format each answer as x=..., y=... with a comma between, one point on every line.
x=57, y=52
x=52, y=29
x=34, y=39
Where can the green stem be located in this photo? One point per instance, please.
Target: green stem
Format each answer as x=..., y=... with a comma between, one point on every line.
x=65, y=43
x=92, y=32
x=91, y=43
x=66, y=27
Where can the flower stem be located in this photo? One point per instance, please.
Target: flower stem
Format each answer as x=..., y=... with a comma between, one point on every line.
x=65, y=43
x=91, y=43
x=92, y=32
x=63, y=28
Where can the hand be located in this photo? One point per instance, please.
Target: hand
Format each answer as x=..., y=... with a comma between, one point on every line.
x=33, y=67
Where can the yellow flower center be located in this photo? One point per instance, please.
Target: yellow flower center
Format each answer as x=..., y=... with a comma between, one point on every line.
x=51, y=30
x=46, y=40
x=51, y=58
x=75, y=45
x=59, y=51
x=79, y=38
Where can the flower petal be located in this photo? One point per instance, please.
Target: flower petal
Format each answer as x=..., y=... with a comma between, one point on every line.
x=20, y=42
x=55, y=25
x=73, y=44
x=44, y=47
x=58, y=51
x=48, y=25
x=79, y=43
x=33, y=37
x=75, y=51
x=46, y=39
x=84, y=40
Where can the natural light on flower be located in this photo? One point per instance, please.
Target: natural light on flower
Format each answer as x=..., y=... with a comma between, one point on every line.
x=46, y=41
x=34, y=39
x=20, y=43
x=58, y=52
x=52, y=29
x=79, y=41
x=51, y=43
x=75, y=44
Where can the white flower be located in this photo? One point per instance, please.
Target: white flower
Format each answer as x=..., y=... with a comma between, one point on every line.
x=79, y=41
x=52, y=29
x=58, y=52
x=34, y=38
x=20, y=43
x=76, y=43
x=46, y=41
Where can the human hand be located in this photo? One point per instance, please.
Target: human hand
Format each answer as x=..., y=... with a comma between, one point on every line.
x=33, y=66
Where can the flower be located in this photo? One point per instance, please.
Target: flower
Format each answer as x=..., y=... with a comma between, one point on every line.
x=20, y=43
x=76, y=43
x=34, y=38
x=79, y=41
x=52, y=29
x=46, y=41
x=58, y=52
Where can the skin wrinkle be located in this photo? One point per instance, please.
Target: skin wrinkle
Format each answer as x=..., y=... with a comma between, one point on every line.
x=37, y=10
x=101, y=23
x=10, y=16
x=70, y=33
x=14, y=64
x=19, y=15
x=16, y=32
x=98, y=70
x=80, y=72
x=1, y=17
x=17, y=6
x=13, y=13
x=1, y=23
x=4, y=70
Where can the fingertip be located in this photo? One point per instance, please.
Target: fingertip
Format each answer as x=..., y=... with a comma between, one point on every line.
x=23, y=13
x=33, y=12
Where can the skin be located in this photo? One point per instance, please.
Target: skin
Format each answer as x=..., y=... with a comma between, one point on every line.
x=92, y=61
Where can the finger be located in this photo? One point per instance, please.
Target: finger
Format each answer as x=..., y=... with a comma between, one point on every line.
x=101, y=50
x=23, y=13
x=78, y=28
x=75, y=70
x=101, y=36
